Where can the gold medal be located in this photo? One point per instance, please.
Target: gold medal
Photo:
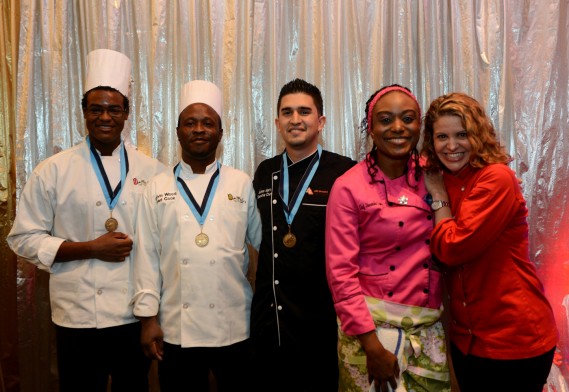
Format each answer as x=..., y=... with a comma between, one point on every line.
x=289, y=240
x=111, y=224
x=202, y=240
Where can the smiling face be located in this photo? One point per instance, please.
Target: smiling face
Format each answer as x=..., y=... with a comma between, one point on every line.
x=299, y=123
x=104, y=129
x=199, y=132
x=395, y=131
x=451, y=142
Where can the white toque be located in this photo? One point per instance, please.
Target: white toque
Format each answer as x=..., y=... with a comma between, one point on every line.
x=201, y=91
x=107, y=67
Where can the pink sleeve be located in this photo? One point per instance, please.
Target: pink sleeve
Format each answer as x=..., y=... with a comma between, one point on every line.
x=342, y=266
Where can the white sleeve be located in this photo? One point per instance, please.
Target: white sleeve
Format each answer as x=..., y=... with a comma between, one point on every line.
x=146, y=253
x=254, y=220
x=30, y=236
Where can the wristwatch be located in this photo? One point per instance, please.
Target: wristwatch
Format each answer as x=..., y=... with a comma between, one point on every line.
x=438, y=204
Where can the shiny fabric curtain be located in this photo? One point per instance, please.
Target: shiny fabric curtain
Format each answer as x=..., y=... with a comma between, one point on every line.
x=511, y=55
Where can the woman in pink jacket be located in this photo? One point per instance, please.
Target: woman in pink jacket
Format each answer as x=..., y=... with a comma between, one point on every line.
x=502, y=329
x=385, y=284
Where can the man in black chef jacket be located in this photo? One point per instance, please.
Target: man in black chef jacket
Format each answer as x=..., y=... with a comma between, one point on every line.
x=293, y=322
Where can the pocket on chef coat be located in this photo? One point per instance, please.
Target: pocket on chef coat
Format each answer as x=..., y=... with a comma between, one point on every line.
x=71, y=302
x=234, y=218
x=377, y=285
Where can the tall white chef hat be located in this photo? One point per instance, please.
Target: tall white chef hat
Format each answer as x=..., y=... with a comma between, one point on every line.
x=107, y=67
x=201, y=91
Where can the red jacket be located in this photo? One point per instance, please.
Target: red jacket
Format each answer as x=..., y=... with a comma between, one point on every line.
x=498, y=306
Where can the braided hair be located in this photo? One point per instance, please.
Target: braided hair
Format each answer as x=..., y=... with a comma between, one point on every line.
x=366, y=124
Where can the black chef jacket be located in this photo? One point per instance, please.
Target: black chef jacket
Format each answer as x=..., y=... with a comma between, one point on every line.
x=292, y=305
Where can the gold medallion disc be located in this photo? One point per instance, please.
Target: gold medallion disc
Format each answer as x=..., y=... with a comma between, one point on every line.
x=289, y=240
x=111, y=224
x=202, y=240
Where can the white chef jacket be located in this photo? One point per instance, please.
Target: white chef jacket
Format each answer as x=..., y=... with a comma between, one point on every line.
x=63, y=201
x=202, y=295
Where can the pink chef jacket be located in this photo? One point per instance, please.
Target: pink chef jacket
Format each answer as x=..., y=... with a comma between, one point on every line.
x=498, y=307
x=377, y=244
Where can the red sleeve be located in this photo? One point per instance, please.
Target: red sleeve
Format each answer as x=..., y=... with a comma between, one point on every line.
x=482, y=215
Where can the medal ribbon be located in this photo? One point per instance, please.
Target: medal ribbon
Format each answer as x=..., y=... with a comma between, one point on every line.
x=200, y=212
x=290, y=209
x=111, y=196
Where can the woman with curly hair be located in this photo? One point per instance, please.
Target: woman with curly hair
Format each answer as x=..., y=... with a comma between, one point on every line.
x=502, y=329
x=386, y=287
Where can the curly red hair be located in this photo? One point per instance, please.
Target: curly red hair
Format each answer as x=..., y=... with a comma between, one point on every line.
x=486, y=148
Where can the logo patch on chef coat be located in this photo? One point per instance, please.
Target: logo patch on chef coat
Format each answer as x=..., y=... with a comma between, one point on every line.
x=165, y=196
x=264, y=193
x=364, y=206
x=236, y=199
x=317, y=191
x=136, y=181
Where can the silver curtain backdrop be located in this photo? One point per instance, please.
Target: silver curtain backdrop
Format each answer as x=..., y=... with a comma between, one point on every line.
x=511, y=55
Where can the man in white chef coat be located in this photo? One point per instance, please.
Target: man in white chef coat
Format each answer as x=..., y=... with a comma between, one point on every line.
x=194, y=226
x=75, y=219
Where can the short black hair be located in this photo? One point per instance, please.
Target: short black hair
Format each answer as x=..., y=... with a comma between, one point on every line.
x=218, y=116
x=126, y=103
x=302, y=86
